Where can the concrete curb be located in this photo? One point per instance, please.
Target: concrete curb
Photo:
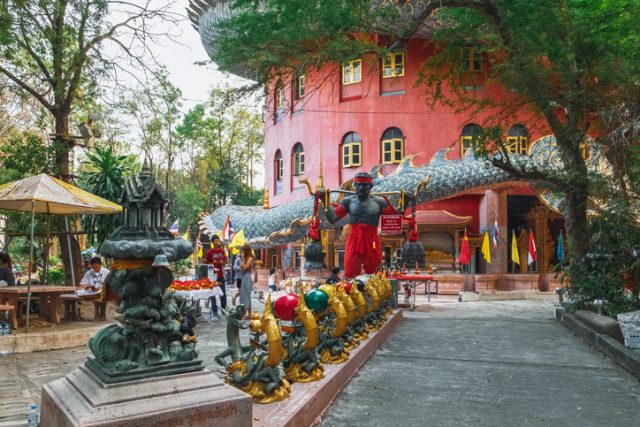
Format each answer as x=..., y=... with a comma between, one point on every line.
x=628, y=359
x=27, y=343
x=506, y=296
x=308, y=401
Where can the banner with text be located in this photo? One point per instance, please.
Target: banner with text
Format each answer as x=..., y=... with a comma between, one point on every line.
x=391, y=225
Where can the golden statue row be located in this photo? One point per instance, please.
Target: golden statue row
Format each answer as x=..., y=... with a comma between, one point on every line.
x=296, y=334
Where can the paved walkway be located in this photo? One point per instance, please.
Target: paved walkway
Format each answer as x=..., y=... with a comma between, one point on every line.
x=499, y=363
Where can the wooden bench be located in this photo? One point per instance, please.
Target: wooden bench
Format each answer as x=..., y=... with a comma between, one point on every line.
x=71, y=311
x=10, y=309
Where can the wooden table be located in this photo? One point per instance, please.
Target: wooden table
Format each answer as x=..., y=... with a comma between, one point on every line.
x=49, y=299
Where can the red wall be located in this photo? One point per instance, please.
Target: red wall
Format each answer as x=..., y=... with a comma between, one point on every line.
x=329, y=111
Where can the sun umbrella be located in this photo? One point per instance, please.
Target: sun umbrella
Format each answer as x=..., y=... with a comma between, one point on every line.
x=45, y=194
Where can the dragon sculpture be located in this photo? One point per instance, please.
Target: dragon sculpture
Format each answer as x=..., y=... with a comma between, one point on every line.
x=439, y=179
x=303, y=361
x=333, y=325
x=256, y=369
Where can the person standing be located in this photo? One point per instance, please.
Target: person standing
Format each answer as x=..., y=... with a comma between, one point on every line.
x=247, y=279
x=237, y=274
x=335, y=276
x=6, y=272
x=217, y=256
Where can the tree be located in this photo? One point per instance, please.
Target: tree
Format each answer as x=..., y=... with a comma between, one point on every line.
x=571, y=72
x=104, y=174
x=155, y=107
x=187, y=205
x=56, y=51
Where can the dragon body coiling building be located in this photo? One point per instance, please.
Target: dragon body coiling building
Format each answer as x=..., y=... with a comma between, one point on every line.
x=368, y=114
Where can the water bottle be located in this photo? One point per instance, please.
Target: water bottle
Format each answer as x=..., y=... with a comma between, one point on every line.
x=33, y=419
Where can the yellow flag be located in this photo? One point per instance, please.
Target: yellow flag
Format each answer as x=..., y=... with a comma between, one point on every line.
x=200, y=251
x=515, y=257
x=238, y=240
x=185, y=236
x=235, y=251
x=486, y=248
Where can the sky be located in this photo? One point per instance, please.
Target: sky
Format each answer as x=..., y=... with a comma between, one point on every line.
x=195, y=81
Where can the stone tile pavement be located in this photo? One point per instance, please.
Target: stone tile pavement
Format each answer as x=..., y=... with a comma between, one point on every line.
x=498, y=363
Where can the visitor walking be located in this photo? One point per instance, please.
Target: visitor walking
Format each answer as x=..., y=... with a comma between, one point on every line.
x=247, y=280
x=335, y=276
x=237, y=274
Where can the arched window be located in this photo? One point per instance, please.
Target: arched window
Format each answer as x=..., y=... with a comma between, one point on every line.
x=470, y=133
x=351, y=149
x=518, y=140
x=392, y=146
x=298, y=159
x=278, y=168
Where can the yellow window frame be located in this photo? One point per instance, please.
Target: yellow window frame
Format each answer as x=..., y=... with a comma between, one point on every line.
x=390, y=62
x=393, y=150
x=348, y=155
x=300, y=82
x=466, y=144
x=468, y=59
x=517, y=144
x=349, y=74
x=279, y=169
x=279, y=97
x=298, y=160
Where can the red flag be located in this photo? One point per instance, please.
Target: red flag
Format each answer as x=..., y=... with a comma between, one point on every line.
x=465, y=253
x=531, y=256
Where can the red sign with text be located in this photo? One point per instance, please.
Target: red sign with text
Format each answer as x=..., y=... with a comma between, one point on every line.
x=391, y=224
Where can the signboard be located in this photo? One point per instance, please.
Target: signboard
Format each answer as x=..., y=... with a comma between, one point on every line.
x=391, y=225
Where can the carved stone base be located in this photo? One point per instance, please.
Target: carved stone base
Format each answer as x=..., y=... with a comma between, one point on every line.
x=194, y=399
x=144, y=372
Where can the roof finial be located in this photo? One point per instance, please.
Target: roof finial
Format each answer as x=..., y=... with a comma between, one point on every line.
x=145, y=172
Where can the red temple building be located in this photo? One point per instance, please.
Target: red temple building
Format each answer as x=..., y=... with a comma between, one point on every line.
x=348, y=118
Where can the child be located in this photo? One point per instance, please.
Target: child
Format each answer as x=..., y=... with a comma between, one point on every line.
x=272, y=280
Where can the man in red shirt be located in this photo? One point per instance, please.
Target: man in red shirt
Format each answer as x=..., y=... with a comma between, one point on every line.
x=218, y=258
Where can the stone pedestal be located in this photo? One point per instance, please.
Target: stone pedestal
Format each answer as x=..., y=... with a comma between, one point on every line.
x=191, y=399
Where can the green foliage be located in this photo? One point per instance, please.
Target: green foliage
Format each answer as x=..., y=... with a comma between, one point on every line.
x=181, y=267
x=55, y=276
x=103, y=174
x=612, y=262
x=23, y=154
x=270, y=37
x=187, y=205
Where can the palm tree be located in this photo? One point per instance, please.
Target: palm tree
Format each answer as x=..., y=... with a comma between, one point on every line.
x=104, y=174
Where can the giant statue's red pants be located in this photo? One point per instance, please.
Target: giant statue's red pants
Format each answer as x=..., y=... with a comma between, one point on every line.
x=363, y=249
